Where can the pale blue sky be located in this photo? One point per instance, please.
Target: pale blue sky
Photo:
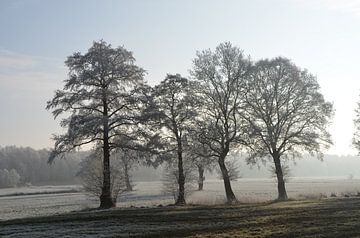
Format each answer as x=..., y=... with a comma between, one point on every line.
x=36, y=36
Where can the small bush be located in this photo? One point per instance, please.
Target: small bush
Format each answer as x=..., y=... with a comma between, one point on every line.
x=9, y=179
x=91, y=175
x=285, y=170
x=233, y=170
x=171, y=179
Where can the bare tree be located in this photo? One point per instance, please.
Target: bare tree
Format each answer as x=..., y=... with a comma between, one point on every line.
x=128, y=159
x=222, y=75
x=174, y=104
x=199, y=155
x=286, y=114
x=91, y=175
x=203, y=164
x=102, y=97
x=171, y=178
x=356, y=137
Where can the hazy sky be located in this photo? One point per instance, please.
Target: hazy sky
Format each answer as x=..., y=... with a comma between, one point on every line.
x=37, y=36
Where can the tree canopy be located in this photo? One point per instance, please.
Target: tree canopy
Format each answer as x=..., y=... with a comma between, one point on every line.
x=222, y=75
x=175, y=110
x=103, y=97
x=285, y=112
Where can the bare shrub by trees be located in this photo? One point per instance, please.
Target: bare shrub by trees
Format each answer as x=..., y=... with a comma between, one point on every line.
x=171, y=178
x=222, y=75
x=233, y=170
x=9, y=178
x=91, y=175
x=286, y=114
x=200, y=158
x=202, y=165
x=129, y=161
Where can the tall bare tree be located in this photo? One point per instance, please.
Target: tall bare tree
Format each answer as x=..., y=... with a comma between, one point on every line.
x=102, y=97
x=222, y=75
x=174, y=104
x=286, y=114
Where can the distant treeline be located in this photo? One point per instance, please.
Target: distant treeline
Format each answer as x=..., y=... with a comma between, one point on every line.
x=21, y=166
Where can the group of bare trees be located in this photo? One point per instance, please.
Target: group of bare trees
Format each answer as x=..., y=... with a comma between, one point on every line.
x=268, y=108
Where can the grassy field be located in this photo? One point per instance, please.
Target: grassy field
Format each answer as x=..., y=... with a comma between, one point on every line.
x=332, y=217
x=52, y=200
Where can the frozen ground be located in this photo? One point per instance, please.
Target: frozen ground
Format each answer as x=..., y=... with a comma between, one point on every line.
x=149, y=194
x=331, y=217
x=39, y=189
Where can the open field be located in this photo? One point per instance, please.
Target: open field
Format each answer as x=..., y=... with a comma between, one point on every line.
x=52, y=200
x=307, y=218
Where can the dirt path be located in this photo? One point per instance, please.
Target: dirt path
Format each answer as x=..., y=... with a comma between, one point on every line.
x=323, y=218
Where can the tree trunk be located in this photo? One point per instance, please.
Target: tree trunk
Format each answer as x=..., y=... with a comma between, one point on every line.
x=106, y=200
x=127, y=178
x=201, y=177
x=181, y=196
x=282, y=195
x=230, y=196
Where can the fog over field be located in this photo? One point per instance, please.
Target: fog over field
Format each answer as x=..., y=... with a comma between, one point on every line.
x=310, y=178
x=150, y=194
x=161, y=118
x=332, y=166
